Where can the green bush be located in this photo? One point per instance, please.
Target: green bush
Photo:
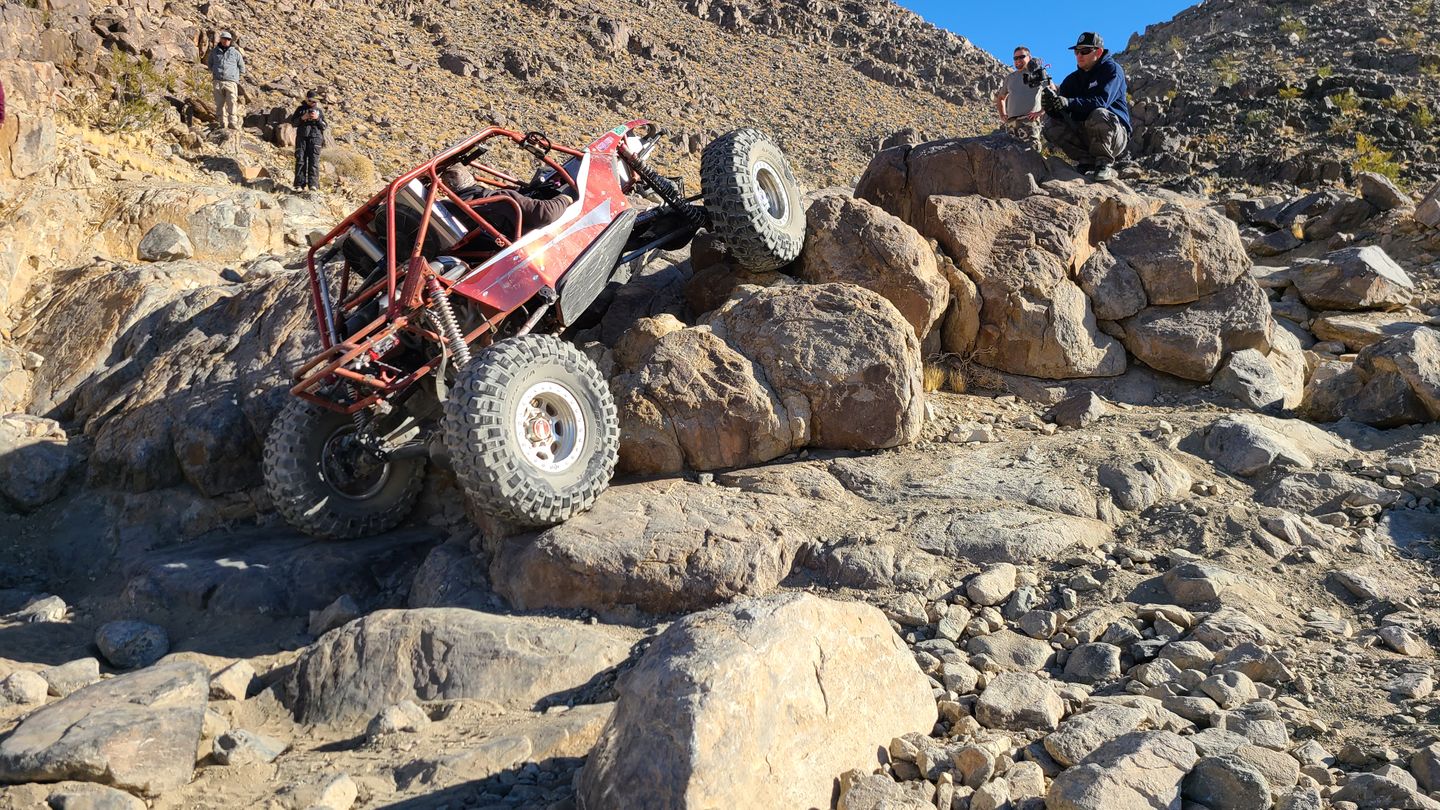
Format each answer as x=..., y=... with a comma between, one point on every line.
x=1325, y=72
x=1294, y=26
x=134, y=86
x=1423, y=118
x=1257, y=118
x=1369, y=157
x=1289, y=93
x=1347, y=102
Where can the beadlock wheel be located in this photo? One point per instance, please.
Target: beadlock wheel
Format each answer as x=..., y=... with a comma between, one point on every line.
x=753, y=200
x=532, y=430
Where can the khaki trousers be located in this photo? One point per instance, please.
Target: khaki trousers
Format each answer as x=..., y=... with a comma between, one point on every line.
x=226, y=100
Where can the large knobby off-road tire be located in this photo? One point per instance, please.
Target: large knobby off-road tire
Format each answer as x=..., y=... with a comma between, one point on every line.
x=532, y=430
x=753, y=199
x=328, y=487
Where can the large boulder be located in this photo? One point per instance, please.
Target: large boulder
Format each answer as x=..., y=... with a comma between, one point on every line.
x=1190, y=340
x=901, y=178
x=1393, y=382
x=696, y=403
x=851, y=241
x=175, y=382
x=35, y=460
x=677, y=548
x=1353, y=278
x=222, y=223
x=844, y=351
x=1182, y=254
x=446, y=653
x=696, y=723
x=138, y=732
x=1034, y=320
x=1358, y=330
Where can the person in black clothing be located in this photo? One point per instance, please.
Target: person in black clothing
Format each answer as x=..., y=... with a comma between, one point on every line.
x=1089, y=116
x=309, y=123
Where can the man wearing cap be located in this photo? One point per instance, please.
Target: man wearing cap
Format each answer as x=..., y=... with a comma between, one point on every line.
x=1018, y=104
x=1088, y=118
x=227, y=65
x=309, y=123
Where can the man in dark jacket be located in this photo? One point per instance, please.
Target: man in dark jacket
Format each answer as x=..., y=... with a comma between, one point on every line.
x=1088, y=118
x=309, y=122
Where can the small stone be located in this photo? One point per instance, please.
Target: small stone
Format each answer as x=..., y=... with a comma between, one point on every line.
x=1080, y=410
x=992, y=585
x=974, y=765
x=233, y=682
x=342, y=611
x=1188, y=655
x=1083, y=733
x=401, y=717
x=1227, y=782
x=1425, y=765
x=1019, y=701
x=72, y=675
x=23, y=688
x=129, y=644
x=330, y=791
x=165, y=242
x=1230, y=690
x=41, y=609
x=994, y=795
x=1361, y=586
x=1403, y=641
x=1412, y=686
x=240, y=747
x=958, y=676
x=1041, y=624
x=81, y=796
x=1094, y=663
x=1196, y=583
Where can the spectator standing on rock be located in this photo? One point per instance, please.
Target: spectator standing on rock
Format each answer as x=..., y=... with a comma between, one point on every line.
x=1088, y=118
x=227, y=65
x=1019, y=104
x=309, y=122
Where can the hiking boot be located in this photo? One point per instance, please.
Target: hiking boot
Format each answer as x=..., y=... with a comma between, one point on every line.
x=1103, y=173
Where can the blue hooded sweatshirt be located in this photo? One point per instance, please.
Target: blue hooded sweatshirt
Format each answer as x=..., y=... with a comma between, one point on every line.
x=1101, y=86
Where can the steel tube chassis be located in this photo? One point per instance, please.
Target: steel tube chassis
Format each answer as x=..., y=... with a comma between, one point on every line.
x=499, y=285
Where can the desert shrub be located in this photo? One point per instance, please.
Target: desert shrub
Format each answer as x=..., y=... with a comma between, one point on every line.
x=1422, y=8
x=1294, y=26
x=1325, y=71
x=350, y=166
x=1176, y=44
x=1347, y=102
x=1412, y=40
x=1257, y=118
x=1289, y=93
x=1369, y=157
x=1423, y=118
x=1397, y=102
x=129, y=96
x=1227, y=69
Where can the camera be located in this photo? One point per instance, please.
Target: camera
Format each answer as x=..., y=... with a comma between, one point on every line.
x=1034, y=74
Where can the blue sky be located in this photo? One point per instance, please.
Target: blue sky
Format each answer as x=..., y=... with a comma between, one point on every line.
x=1047, y=27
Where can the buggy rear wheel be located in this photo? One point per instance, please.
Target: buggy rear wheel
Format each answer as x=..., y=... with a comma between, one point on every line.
x=753, y=199
x=532, y=430
x=326, y=484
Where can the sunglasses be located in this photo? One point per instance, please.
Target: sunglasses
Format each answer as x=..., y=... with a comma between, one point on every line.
x=1085, y=51
x=1022, y=58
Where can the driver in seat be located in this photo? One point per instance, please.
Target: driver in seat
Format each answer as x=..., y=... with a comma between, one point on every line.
x=534, y=213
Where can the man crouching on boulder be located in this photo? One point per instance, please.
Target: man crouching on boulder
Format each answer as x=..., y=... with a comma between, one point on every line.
x=1088, y=118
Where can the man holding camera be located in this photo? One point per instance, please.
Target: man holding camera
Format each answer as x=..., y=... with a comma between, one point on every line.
x=1088, y=117
x=309, y=123
x=1018, y=102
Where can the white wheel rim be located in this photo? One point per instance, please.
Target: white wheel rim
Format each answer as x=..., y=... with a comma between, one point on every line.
x=549, y=428
x=770, y=191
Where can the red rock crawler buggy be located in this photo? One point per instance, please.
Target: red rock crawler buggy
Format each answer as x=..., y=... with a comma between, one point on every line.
x=407, y=286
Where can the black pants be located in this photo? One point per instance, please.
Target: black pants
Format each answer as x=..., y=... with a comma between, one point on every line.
x=307, y=162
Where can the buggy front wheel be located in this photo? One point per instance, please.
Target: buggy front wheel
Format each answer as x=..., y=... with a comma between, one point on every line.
x=532, y=430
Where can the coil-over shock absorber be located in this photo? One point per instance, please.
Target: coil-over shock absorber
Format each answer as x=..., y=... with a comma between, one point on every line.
x=443, y=317
x=666, y=189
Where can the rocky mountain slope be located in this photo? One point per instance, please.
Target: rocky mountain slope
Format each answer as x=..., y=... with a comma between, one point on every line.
x=403, y=79
x=1299, y=92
